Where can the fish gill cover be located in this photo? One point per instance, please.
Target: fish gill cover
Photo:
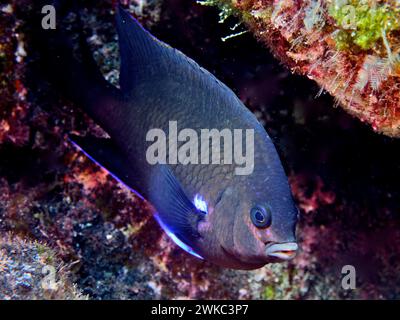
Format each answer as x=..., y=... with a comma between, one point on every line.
x=344, y=176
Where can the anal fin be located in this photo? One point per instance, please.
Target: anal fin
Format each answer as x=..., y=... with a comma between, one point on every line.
x=103, y=152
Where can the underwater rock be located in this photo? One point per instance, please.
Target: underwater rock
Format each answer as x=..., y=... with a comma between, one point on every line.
x=31, y=270
x=351, y=48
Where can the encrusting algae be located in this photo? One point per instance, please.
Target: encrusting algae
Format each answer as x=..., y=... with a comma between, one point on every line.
x=349, y=47
x=31, y=270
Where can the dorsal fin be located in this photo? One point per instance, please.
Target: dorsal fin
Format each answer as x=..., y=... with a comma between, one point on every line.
x=137, y=46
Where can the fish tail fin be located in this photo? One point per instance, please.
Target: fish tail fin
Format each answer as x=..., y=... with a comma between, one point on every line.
x=138, y=48
x=144, y=57
x=71, y=68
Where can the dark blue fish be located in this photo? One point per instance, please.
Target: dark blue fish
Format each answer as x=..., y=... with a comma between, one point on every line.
x=235, y=221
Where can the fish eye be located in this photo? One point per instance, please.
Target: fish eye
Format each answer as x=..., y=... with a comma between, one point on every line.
x=261, y=216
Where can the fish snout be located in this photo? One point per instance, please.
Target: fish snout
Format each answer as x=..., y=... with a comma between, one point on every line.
x=284, y=251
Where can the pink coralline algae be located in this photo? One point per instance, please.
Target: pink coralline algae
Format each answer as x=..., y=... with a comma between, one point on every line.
x=351, y=48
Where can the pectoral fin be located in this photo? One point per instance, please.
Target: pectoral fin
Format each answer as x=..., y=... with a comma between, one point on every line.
x=176, y=213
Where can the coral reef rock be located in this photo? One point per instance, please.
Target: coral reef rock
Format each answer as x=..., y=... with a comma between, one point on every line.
x=31, y=270
x=351, y=48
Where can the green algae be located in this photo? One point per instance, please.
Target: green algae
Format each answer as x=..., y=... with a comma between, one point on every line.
x=227, y=9
x=363, y=23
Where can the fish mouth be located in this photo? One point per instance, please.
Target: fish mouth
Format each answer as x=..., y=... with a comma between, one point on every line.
x=284, y=251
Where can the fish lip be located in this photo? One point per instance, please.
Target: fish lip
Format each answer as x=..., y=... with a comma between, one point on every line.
x=284, y=251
